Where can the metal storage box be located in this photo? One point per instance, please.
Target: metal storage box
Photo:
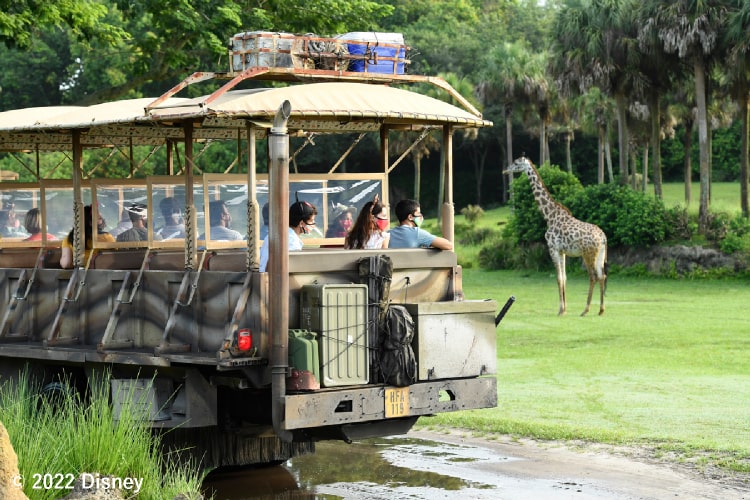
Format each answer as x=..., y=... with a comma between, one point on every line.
x=383, y=52
x=261, y=48
x=454, y=339
x=338, y=313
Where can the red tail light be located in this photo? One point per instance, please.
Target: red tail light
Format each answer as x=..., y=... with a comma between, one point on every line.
x=244, y=339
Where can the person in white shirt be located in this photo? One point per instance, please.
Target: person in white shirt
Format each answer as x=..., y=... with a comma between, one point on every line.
x=371, y=228
x=301, y=221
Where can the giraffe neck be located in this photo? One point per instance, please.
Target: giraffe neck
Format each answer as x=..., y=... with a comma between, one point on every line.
x=548, y=206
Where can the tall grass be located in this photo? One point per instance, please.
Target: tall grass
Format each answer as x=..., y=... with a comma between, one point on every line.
x=68, y=436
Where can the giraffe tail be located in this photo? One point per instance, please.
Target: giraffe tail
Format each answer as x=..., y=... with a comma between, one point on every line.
x=605, y=269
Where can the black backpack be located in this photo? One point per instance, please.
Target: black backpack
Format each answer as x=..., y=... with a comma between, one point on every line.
x=398, y=365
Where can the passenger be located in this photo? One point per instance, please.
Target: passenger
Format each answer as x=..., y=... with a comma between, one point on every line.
x=124, y=223
x=301, y=221
x=408, y=234
x=10, y=226
x=33, y=224
x=66, y=258
x=371, y=228
x=221, y=222
x=138, y=214
x=174, y=226
x=264, y=227
x=341, y=224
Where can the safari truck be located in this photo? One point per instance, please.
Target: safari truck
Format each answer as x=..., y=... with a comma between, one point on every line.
x=238, y=365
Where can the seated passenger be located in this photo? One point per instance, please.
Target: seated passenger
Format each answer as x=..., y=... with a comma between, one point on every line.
x=341, y=224
x=138, y=214
x=66, y=258
x=10, y=226
x=301, y=221
x=264, y=227
x=174, y=226
x=123, y=225
x=33, y=224
x=371, y=228
x=408, y=234
x=221, y=221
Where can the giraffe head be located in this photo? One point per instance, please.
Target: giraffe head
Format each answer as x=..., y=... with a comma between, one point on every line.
x=522, y=164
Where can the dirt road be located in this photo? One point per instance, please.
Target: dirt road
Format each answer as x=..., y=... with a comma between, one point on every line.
x=543, y=470
x=429, y=465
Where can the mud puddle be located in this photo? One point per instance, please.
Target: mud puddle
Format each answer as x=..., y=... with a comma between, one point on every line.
x=399, y=467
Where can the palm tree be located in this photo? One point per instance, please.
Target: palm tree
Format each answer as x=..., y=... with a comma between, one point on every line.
x=597, y=111
x=737, y=39
x=504, y=82
x=690, y=29
x=660, y=70
x=593, y=45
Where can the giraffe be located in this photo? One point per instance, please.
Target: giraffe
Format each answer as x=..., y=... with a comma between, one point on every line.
x=567, y=235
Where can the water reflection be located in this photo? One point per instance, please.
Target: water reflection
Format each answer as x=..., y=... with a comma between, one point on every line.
x=375, y=468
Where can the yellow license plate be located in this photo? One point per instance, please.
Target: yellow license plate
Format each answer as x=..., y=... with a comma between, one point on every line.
x=396, y=402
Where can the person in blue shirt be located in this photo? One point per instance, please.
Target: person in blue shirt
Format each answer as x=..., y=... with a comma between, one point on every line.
x=408, y=234
x=301, y=221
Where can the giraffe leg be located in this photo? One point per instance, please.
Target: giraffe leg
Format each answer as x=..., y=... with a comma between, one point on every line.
x=592, y=282
x=602, y=288
x=559, y=261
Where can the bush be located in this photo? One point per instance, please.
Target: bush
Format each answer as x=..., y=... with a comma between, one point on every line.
x=527, y=225
x=681, y=225
x=503, y=253
x=627, y=217
x=472, y=213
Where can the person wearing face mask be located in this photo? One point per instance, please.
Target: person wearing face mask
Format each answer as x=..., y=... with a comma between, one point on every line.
x=371, y=228
x=301, y=221
x=408, y=234
x=341, y=224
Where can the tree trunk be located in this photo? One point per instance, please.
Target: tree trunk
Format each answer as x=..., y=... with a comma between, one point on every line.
x=508, y=178
x=745, y=111
x=622, y=134
x=608, y=152
x=600, y=151
x=644, y=175
x=703, y=144
x=568, y=159
x=655, y=146
x=688, y=162
x=417, y=175
x=480, y=160
x=541, y=142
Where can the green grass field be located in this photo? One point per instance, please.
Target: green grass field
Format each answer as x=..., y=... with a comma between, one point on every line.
x=725, y=196
x=665, y=366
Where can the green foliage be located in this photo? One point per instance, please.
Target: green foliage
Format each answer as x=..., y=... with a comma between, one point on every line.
x=504, y=253
x=527, y=224
x=21, y=21
x=472, y=213
x=682, y=225
x=627, y=217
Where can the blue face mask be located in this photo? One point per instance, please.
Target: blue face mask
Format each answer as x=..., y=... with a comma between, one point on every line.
x=418, y=220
